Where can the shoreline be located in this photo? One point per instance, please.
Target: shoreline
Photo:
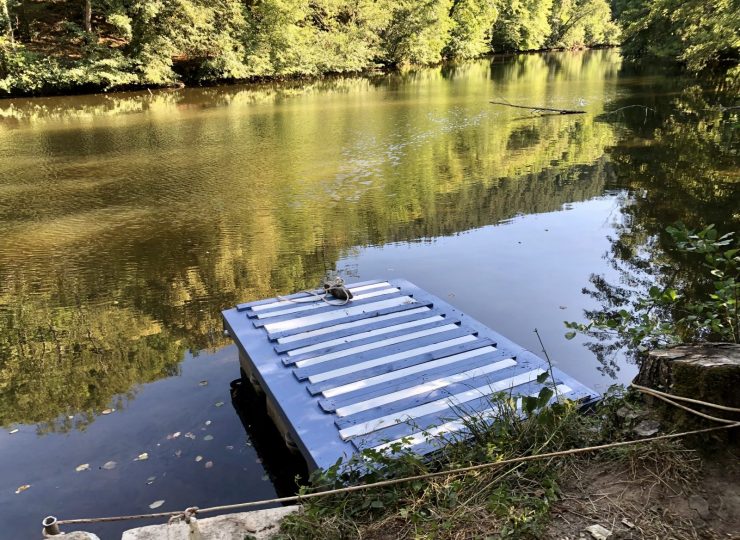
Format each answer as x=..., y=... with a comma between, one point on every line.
x=298, y=79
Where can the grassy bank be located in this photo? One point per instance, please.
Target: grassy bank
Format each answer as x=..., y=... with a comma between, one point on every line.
x=625, y=490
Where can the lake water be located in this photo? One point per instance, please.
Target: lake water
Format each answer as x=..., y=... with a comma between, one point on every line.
x=128, y=221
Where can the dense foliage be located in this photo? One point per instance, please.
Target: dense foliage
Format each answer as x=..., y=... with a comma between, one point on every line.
x=696, y=32
x=64, y=45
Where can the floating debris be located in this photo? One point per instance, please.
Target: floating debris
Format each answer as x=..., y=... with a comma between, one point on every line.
x=178, y=453
x=229, y=447
x=265, y=478
x=142, y=457
x=208, y=438
x=190, y=435
x=83, y=467
x=22, y=488
x=107, y=411
x=156, y=504
x=208, y=422
x=174, y=435
x=219, y=404
x=203, y=383
x=209, y=464
x=198, y=458
x=150, y=480
x=13, y=431
x=108, y=465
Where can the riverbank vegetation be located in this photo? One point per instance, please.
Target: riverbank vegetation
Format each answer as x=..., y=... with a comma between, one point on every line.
x=637, y=491
x=58, y=46
x=66, y=45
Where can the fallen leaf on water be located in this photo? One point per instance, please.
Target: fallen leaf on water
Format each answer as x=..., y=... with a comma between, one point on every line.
x=151, y=480
x=198, y=458
x=189, y=435
x=83, y=467
x=219, y=403
x=13, y=431
x=156, y=504
x=208, y=438
x=142, y=457
x=209, y=464
x=22, y=488
x=107, y=411
x=203, y=383
x=108, y=465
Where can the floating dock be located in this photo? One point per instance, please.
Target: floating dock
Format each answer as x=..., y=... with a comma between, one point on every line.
x=393, y=363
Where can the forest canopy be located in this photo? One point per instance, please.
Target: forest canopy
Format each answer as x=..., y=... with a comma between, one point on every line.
x=63, y=45
x=76, y=45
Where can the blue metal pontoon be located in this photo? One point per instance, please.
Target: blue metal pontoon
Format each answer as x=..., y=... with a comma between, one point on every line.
x=394, y=363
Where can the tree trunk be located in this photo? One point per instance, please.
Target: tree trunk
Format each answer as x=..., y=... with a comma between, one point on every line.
x=704, y=371
x=7, y=24
x=88, y=16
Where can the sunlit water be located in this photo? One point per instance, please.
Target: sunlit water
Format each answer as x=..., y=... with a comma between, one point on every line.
x=129, y=221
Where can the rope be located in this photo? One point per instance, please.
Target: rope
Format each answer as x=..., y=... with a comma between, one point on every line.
x=334, y=287
x=296, y=498
x=681, y=398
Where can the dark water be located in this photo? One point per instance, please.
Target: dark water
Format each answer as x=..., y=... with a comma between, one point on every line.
x=128, y=222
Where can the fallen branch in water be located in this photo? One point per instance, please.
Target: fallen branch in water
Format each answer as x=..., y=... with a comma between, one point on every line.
x=631, y=107
x=547, y=109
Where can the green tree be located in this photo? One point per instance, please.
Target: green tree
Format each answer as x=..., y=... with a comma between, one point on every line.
x=522, y=25
x=417, y=32
x=696, y=32
x=581, y=23
x=472, y=21
x=6, y=23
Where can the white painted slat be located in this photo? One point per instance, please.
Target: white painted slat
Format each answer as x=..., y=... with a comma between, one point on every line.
x=393, y=375
x=364, y=428
x=338, y=314
x=308, y=299
x=320, y=377
x=353, y=324
x=376, y=345
x=455, y=425
x=364, y=335
x=317, y=305
x=425, y=388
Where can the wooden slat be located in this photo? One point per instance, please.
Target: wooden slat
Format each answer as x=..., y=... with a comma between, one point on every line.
x=442, y=404
x=337, y=314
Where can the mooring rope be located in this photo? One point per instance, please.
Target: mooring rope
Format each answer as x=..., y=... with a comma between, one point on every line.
x=189, y=512
x=657, y=393
x=334, y=287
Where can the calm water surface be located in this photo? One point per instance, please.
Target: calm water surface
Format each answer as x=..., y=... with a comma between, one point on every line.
x=127, y=222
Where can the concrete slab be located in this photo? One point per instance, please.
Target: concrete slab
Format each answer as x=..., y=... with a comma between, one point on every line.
x=257, y=525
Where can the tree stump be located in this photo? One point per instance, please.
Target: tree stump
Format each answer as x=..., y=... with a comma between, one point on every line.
x=704, y=371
